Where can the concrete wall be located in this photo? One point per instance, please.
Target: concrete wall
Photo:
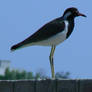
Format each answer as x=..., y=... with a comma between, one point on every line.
x=3, y=65
x=47, y=85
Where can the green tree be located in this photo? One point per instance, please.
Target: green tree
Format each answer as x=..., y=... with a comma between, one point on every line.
x=1, y=77
x=7, y=74
x=10, y=75
x=13, y=75
x=20, y=75
x=41, y=74
x=16, y=75
x=30, y=75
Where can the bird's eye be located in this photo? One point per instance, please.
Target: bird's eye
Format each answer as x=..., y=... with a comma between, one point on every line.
x=77, y=11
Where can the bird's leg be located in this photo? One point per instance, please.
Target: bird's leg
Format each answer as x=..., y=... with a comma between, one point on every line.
x=51, y=61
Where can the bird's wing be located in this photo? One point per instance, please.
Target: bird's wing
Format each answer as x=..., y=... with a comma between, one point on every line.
x=48, y=30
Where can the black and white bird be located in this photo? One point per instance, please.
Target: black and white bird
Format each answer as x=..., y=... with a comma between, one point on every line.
x=52, y=33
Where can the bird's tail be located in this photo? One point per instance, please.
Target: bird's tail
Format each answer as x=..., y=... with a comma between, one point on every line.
x=16, y=47
x=27, y=42
x=20, y=45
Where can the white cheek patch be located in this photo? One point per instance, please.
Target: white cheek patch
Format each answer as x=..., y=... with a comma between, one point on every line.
x=66, y=28
x=67, y=15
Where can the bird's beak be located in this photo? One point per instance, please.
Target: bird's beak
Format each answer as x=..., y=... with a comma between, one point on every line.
x=80, y=14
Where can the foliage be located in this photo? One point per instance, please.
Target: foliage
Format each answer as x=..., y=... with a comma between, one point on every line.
x=16, y=75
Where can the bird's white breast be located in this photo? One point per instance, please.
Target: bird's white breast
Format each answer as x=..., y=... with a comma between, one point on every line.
x=54, y=40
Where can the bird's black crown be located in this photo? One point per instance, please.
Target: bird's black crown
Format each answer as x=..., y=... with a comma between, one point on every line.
x=72, y=13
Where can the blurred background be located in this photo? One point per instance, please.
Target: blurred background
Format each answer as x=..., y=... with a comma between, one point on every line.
x=21, y=18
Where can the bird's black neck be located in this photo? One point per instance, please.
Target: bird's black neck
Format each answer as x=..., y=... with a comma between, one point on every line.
x=70, y=27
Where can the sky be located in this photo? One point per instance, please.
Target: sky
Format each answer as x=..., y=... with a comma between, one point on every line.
x=21, y=18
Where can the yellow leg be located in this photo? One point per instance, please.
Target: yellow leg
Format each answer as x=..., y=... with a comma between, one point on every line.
x=51, y=61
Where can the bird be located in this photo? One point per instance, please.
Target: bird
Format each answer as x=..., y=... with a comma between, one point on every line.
x=52, y=33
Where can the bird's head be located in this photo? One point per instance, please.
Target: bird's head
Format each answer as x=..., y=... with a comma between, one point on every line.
x=72, y=13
